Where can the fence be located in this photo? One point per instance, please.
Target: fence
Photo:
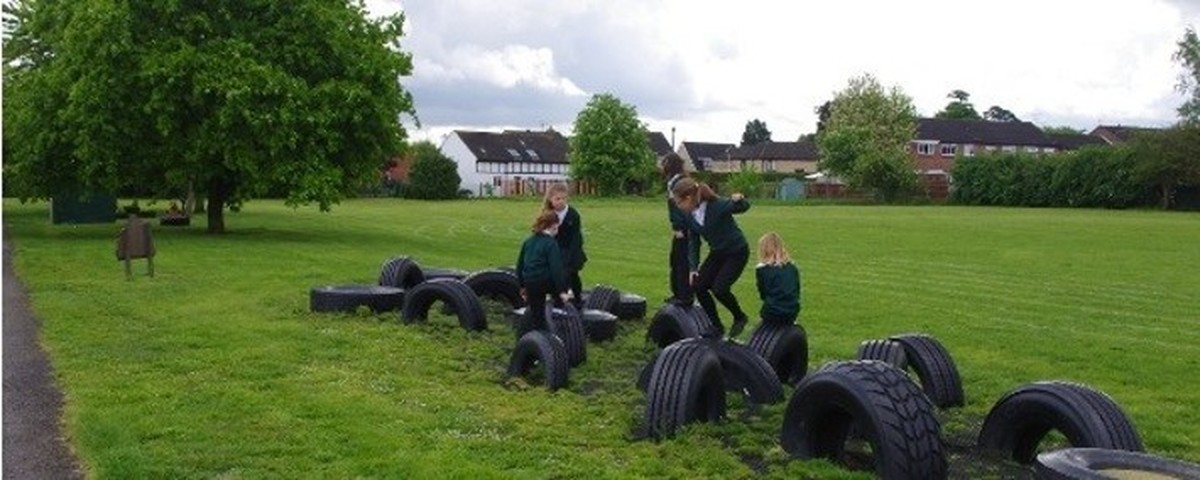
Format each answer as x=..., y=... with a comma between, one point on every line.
x=529, y=186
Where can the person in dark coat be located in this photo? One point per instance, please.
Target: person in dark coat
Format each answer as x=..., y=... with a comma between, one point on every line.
x=711, y=218
x=569, y=238
x=778, y=282
x=540, y=272
x=681, y=289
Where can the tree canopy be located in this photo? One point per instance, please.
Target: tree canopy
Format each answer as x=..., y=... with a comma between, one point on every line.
x=433, y=175
x=999, y=114
x=866, y=138
x=960, y=108
x=755, y=133
x=1188, y=55
x=609, y=147
x=231, y=98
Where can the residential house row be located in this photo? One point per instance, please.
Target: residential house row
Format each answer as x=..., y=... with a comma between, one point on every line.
x=525, y=161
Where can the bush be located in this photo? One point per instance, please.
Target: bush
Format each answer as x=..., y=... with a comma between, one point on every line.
x=747, y=181
x=1089, y=177
x=433, y=176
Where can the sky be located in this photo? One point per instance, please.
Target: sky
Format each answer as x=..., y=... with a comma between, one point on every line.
x=706, y=68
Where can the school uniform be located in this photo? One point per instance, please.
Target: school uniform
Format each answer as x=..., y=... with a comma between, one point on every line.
x=779, y=289
x=681, y=289
x=570, y=242
x=728, y=253
x=540, y=272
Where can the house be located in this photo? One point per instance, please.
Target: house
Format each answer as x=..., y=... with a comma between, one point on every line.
x=1075, y=141
x=1114, y=134
x=938, y=140
x=786, y=157
x=518, y=162
x=699, y=156
x=507, y=163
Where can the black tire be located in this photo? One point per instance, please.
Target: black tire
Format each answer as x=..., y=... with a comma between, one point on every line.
x=631, y=307
x=1021, y=418
x=644, y=375
x=674, y=322
x=603, y=297
x=784, y=347
x=934, y=367
x=496, y=284
x=746, y=372
x=885, y=351
x=433, y=273
x=685, y=386
x=878, y=400
x=460, y=299
x=599, y=325
x=400, y=272
x=347, y=298
x=568, y=325
x=540, y=348
x=1090, y=463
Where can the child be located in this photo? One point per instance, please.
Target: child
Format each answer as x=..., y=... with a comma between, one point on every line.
x=711, y=217
x=540, y=272
x=569, y=238
x=681, y=291
x=778, y=282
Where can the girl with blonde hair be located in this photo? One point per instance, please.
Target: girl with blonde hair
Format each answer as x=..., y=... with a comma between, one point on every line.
x=778, y=282
x=569, y=237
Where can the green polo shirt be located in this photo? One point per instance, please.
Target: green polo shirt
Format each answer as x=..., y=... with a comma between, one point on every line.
x=541, y=260
x=779, y=289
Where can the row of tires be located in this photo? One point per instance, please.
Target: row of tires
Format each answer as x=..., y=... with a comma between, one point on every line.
x=871, y=399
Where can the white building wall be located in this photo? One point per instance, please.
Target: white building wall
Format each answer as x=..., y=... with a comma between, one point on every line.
x=455, y=149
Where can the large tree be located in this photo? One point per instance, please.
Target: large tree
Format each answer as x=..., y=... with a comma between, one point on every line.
x=1168, y=159
x=866, y=139
x=755, y=133
x=959, y=108
x=609, y=146
x=231, y=98
x=1189, y=81
x=1000, y=114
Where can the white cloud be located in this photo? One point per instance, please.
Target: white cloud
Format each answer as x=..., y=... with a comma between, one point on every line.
x=707, y=68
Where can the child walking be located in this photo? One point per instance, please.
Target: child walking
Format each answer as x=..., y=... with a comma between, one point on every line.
x=569, y=238
x=711, y=217
x=681, y=290
x=778, y=282
x=540, y=272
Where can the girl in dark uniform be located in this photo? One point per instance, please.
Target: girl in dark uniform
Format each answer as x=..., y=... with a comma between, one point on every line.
x=569, y=238
x=778, y=282
x=711, y=217
x=681, y=290
x=540, y=272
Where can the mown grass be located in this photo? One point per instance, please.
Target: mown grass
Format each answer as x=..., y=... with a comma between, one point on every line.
x=216, y=368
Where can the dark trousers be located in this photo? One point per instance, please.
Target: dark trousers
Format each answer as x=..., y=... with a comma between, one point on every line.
x=681, y=288
x=576, y=285
x=535, y=307
x=717, y=275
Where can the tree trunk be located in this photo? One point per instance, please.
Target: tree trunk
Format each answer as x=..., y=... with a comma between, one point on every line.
x=1166, y=196
x=218, y=193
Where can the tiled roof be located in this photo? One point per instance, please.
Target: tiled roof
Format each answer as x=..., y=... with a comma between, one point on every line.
x=1118, y=133
x=516, y=146
x=981, y=132
x=658, y=143
x=1073, y=141
x=804, y=150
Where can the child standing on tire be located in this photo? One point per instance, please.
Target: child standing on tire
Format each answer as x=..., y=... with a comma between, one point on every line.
x=711, y=217
x=540, y=272
x=778, y=282
x=569, y=238
x=681, y=290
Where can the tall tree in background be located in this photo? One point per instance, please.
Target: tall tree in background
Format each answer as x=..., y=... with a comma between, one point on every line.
x=960, y=108
x=755, y=133
x=867, y=137
x=609, y=147
x=433, y=175
x=1189, y=81
x=1062, y=130
x=999, y=114
x=231, y=97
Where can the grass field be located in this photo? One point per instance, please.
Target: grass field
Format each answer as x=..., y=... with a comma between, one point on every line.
x=216, y=368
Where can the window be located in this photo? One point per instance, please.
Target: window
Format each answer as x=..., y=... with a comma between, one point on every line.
x=1008, y=148
x=925, y=148
x=532, y=154
x=969, y=150
x=512, y=152
x=1049, y=150
x=1032, y=149
x=991, y=148
x=949, y=149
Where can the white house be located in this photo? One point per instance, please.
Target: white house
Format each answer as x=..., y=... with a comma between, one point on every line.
x=507, y=163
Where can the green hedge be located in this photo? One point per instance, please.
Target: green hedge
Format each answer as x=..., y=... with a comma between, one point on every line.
x=1100, y=177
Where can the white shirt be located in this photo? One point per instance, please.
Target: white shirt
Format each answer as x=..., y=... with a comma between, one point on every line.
x=698, y=213
x=562, y=214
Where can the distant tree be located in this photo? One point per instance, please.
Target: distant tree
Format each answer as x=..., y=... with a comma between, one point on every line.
x=747, y=181
x=960, y=108
x=755, y=133
x=433, y=175
x=1062, y=130
x=235, y=98
x=823, y=116
x=1167, y=159
x=999, y=114
x=1189, y=82
x=609, y=147
x=867, y=137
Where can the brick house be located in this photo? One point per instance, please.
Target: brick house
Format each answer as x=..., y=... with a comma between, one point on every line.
x=700, y=156
x=939, y=141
